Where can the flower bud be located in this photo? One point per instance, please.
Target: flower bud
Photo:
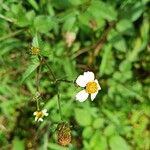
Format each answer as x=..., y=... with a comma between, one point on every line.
x=69, y=38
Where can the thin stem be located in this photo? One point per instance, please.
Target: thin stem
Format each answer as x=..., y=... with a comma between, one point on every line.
x=58, y=99
x=55, y=80
x=38, y=81
x=6, y=18
x=9, y=35
x=48, y=66
x=63, y=80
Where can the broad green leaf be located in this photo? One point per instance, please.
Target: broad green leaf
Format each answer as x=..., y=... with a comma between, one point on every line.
x=125, y=26
x=98, y=123
x=83, y=117
x=116, y=142
x=110, y=130
x=132, y=11
x=98, y=141
x=69, y=24
x=104, y=10
x=56, y=147
x=106, y=64
x=87, y=132
x=32, y=66
x=125, y=66
x=43, y=24
x=117, y=41
x=18, y=144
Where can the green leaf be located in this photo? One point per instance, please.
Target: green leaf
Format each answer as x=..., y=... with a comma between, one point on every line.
x=117, y=41
x=98, y=142
x=69, y=24
x=98, y=123
x=118, y=143
x=104, y=10
x=56, y=147
x=132, y=11
x=106, y=64
x=87, y=132
x=18, y=144
x=34, y=4
x=34, y=64
x=83, y=117
x=35, y=42
x=125, y=26
x=43, y=24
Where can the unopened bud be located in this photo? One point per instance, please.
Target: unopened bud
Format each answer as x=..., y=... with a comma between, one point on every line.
x=69, y=38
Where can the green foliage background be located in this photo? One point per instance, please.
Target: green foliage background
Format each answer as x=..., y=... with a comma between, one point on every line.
x=112, y=40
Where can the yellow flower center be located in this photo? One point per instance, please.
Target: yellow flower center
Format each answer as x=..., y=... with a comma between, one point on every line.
x=40, y=114
x=91, y=87
x=35, y=50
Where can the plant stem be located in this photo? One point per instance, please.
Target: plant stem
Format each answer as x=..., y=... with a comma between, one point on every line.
x=57, y=88
x=38, y=81
x=58, y=99
x=63, y=80
x=48, y=66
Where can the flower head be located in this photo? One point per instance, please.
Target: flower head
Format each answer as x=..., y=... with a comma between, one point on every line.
x=39, y=115
x=64, y=134
x=35, y=50
x=91, y=85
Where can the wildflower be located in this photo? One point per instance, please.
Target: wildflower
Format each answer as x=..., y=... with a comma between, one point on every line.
x=69, y=38
x=91, y=85
x=35, y=50
x=40, y=114
x=64, y=134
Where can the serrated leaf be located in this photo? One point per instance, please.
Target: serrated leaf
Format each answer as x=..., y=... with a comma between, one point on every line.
x=118, y=143
x=83, y=117
x=43, y=23
x=34, y=64
x=104, y=10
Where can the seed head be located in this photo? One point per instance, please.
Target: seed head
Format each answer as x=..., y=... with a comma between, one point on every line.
x=64, y=134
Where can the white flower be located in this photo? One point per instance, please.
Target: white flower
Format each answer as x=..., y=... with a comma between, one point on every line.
x=91, y=85
x=40, y=114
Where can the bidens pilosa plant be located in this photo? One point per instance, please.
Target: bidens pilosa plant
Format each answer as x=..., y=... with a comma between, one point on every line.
x=87, y=81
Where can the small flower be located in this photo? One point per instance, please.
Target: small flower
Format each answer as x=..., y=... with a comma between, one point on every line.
x=40, y=114
x=91, y=85
x=69, y=38
x=64, y=134
x=35, y=50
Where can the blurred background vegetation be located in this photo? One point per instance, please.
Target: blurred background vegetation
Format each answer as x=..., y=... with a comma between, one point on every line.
x=110, y=38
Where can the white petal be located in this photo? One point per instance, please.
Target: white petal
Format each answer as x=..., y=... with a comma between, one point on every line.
x=44, y=111
x=89, y=76
x=82, y=96
x=99, y=88
x=35, y=113
x=40, y=119
x=81, y=81
x=45, y=114
x=36, y=118
x=93, y=96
